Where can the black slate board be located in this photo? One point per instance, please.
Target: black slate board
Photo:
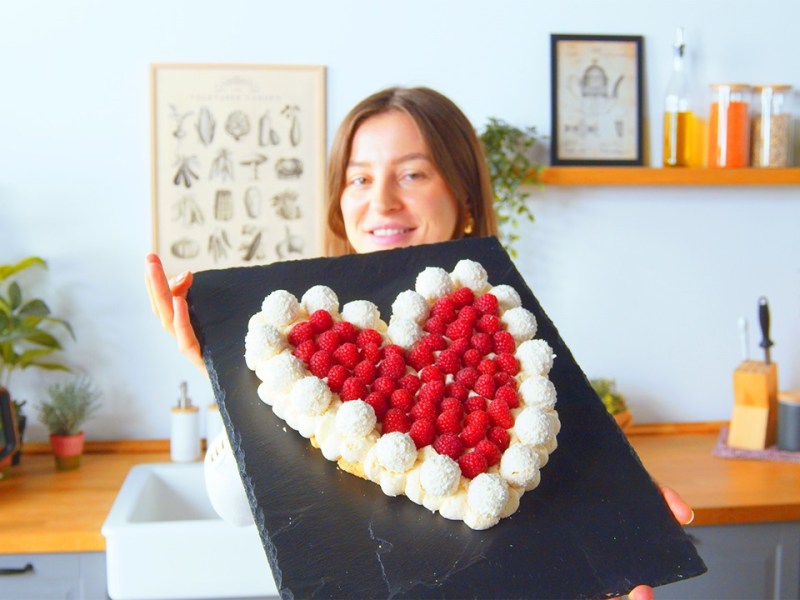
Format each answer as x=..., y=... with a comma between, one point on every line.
x=595, y=527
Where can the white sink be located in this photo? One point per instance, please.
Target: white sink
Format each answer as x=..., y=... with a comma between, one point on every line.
x=164, y=540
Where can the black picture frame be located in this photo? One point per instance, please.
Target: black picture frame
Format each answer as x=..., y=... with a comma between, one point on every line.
x=597, y=101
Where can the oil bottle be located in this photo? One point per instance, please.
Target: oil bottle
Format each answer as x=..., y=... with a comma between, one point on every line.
x=681, y=127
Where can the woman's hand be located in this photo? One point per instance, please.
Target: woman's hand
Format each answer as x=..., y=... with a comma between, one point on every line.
x=168, y=301
x=684, y=515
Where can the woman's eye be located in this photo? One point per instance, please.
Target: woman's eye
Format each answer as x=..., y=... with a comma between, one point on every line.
x=413, y=175
x=359, y=180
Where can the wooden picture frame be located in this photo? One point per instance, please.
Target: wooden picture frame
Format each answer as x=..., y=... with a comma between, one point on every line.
x=238, y=164
x=596, y=100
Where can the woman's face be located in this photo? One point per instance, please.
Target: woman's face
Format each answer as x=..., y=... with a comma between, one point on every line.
x=394, y=196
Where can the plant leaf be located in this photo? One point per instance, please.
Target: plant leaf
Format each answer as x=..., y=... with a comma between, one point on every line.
x=9, y=270
x=35, y=308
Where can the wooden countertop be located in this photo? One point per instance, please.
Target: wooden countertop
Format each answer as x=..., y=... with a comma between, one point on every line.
x=42, y=510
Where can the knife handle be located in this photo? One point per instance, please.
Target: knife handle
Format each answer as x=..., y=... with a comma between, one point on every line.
x=763, y=319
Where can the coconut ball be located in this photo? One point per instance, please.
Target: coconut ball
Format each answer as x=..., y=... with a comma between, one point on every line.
x=280, y=372
x=396, y=452
x=440, y=475
x=507, y=296
x=538, y=392
x=262, y=342
x=535, y=357
x=471, y=274
x=410, y=305
x=534, y=427
x=520, y=323
x=311, y=396
x=404, y=332
x=520, y=465
x=356, y=418
x=280, y=308
x=361, y=313
x=487, y=495
x=433, y=283
x=320, y=297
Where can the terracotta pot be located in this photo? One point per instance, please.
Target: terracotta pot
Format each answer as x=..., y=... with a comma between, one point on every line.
x=623, y=419
x=67, y=450
x=5, y=466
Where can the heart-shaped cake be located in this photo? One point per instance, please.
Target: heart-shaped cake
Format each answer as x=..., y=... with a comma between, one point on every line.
x=449, y=404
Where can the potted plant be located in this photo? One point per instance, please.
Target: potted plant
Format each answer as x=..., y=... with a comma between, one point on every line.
x=509, y=152
x=71, y=404
x=613, y=400
x=25, y=330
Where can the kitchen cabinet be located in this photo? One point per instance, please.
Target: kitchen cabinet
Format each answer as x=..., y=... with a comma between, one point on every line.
x=651, y=176
x=73, y=575
x=756, y=560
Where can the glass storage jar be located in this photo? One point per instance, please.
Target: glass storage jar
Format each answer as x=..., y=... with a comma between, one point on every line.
x=772, y=126
x=729, y=125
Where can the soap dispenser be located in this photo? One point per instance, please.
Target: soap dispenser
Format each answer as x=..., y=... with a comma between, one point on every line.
x=184, y=443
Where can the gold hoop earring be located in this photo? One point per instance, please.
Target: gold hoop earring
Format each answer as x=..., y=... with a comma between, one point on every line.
x=469, y=224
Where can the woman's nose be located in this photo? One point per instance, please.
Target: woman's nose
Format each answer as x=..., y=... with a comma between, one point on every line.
x=385, y=197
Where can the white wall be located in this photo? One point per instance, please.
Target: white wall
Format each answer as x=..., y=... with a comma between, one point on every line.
x=646, y=284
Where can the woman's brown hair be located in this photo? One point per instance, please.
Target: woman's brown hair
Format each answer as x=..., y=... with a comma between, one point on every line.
x=454, y=147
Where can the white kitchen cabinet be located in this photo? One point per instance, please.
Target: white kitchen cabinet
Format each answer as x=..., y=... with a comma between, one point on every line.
x=750, y=561
x=70, y=576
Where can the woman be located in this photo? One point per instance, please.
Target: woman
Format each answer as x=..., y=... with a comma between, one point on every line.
x=405, y=168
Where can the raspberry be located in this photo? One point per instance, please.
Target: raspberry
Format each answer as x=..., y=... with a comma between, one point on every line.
x=402, y=399
x=420, y=357
x=329, y=340
x=480, y=419
x=474, y=403
x=504, y=342
x=435, y=325
x=482, y=342
x=424, y=409
x=365, y=371
x=448, y=421
x=448, y=362
x=346, y=331
x=472, y=464
x=472, y=358
x=469, y=314
x=346, y=355
x=452, y=404
x=423, y=432
x=392, y=366
x=368, y=336
x=395, y=420
x=485, y=386
x=500, y=413
x=459, y=329
x=394, y=350
x=471, y=435
x=448, y=444
x=463, y=297
x=385, y=385
x=467, y=377
x=371, y=352
x=409, y=382
x=434, y=341
x=489, y=324
x=305, y=350
x=377, y=400
x=353, y=389
x=487, y=304
x=490, y=451
x=507, y=363
x=321, y=320
x=300, y=333
x=336, y=376
x=460, y=346
x=320, y=363
x=499, y=437
x=487, y=367
x=507, y=394
x=502, y=378
x=445, y=309
x=431, y=373
x=457, y=391
x=433, y=391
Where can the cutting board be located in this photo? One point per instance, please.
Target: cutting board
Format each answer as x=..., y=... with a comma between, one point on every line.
x=595, y=527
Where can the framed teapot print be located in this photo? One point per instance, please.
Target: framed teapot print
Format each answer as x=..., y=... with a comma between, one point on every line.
x=596, y=100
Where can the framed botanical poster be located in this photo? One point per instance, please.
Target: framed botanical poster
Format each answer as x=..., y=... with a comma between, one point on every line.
x=238, y=159
x=596, y=99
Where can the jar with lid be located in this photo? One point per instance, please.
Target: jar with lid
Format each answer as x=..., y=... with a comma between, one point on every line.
x=729, y=125
x=772, y=126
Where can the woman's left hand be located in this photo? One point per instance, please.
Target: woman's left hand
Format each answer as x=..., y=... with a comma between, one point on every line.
x=684, y=515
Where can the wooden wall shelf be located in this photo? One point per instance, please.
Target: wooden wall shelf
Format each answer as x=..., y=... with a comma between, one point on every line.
x=626, y=176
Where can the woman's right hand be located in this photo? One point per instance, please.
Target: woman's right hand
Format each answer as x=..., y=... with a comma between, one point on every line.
x=168, y=301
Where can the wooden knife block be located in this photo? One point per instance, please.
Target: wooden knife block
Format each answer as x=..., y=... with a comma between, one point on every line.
x=755, y=406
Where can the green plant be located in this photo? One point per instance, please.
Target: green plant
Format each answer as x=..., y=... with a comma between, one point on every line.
x=508, y=153
x=71, y=404
x=24, y=337
x=612, y=399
